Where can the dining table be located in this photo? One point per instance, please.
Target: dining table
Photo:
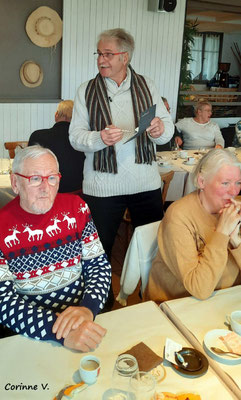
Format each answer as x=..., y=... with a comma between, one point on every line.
x=182, y=182
x=48, y=366
x=201, y=322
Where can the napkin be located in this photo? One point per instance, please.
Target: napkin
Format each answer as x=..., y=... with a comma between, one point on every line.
x=146, y=358
x=232, y=341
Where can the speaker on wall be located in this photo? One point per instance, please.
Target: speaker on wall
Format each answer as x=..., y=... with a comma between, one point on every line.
x=162, y=5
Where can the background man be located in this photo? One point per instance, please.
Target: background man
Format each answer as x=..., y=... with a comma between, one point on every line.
x=54, y=274
x=71, y=162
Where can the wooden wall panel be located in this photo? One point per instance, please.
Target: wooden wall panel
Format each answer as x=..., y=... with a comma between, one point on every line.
x=158, y=39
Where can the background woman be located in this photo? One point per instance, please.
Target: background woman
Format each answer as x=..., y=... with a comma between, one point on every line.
x=200, y=131
x=198, y=238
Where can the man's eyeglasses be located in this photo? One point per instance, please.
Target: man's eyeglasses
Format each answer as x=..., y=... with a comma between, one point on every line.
x=36, y=180
x=108, y=56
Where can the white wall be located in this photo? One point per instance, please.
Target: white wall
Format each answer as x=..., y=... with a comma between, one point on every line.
x=158, y=38
x=227, y=54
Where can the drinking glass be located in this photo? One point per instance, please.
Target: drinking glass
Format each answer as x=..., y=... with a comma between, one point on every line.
x=126, y=365
x=142, y=386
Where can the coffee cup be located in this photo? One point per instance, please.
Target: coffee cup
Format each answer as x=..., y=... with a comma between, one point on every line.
x=183, y=154
x=235, y=321
x=89, y=369
x=190, y=160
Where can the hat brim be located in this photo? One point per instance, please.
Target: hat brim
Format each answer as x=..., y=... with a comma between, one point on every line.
x=38, y=39
x=25, y=81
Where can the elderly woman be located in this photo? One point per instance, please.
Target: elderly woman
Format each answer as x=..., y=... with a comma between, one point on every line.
x=200, y=131
x=198, y=238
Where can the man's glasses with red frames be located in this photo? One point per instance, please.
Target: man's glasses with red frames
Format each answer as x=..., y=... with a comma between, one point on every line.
x=36, y=180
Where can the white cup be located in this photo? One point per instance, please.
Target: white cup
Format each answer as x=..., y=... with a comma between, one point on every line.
x=190, y=160
x=89, y=369
x=183, y=154
x=235, y=321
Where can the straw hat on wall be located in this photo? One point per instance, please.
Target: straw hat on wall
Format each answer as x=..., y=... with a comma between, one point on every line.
x=31, y=74
x=44, y=27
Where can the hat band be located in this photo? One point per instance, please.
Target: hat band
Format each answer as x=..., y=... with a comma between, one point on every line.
x=44, y=27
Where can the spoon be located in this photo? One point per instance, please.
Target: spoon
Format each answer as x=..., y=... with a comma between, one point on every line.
x=220, y=351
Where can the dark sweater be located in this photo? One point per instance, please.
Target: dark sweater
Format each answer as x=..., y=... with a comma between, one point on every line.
x=71, y=162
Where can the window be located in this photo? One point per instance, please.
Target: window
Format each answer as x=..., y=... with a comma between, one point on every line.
x=205, y=54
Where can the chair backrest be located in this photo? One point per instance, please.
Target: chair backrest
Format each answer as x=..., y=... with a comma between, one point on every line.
x=11, y=146
x=166, y=178
x=141, y=251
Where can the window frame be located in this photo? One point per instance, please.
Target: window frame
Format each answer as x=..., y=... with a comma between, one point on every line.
x=204, y=34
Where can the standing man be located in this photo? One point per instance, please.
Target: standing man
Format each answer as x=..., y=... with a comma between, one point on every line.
x=71, y=162
x=54, y=274
x=118, y=175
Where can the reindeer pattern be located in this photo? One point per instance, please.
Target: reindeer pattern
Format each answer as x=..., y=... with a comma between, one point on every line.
x=37, y=234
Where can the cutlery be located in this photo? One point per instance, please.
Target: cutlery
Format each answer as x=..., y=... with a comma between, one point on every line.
x=220, y=351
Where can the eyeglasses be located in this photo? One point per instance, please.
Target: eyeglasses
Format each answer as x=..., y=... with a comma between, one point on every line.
x=36, y=180
x=108, y=56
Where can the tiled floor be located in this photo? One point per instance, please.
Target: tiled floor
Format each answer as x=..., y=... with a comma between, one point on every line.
x=118, y=255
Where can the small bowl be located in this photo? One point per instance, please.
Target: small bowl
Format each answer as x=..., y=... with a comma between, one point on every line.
x=192, y=358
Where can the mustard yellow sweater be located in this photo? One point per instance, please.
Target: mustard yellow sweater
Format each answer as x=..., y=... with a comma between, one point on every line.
x=193, y=259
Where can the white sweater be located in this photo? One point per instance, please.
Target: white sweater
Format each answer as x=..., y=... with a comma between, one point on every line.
x=131, y=177
x=197, y=135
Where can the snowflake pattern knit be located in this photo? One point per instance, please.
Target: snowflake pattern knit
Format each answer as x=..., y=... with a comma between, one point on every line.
x=47, y=263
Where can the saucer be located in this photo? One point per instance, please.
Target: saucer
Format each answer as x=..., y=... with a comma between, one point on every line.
x=197, y=359
x=211, y=339
x=189, y=163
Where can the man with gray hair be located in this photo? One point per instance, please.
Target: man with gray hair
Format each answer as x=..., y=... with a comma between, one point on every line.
x=54, y=274
x=118, y=173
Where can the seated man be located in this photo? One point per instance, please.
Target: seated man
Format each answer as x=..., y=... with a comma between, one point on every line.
x=200, y=131
x=71, y=162
x=54, y=274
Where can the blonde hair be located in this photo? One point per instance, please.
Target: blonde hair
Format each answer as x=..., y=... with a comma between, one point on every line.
x=124, y=40
x=211, y=162
x=200, y=104
x=65, y=109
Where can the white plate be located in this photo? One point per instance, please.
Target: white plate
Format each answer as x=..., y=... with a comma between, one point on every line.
x=211, y=339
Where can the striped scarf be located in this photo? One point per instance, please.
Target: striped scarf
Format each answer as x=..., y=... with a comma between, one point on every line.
x=98, y=107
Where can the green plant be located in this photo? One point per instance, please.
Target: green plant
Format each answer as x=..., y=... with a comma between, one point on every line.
x=190, y=30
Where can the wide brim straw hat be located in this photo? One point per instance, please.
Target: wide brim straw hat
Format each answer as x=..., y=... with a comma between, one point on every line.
x=44, y=27
x=31, y=74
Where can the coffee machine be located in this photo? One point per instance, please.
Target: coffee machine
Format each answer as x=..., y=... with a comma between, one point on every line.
x=223, y=75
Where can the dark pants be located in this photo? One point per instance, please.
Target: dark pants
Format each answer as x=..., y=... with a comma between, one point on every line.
x=107, y=213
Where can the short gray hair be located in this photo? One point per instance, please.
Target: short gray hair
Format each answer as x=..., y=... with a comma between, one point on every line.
x=125, y=40
x=30, y=152
x=211, y=162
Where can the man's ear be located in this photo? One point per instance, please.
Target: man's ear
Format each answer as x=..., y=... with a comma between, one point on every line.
x=125, y=58
x=56, y=115
x=14, y=183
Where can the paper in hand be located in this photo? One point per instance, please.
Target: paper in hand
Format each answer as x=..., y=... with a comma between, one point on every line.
x=145, y=121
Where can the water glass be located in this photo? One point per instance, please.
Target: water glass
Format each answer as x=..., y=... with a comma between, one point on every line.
x=142, y=386
x=126, y=365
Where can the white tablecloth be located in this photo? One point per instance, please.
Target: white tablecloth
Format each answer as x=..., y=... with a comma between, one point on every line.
x=181, y=183
x=39, y=363
x=196, y=317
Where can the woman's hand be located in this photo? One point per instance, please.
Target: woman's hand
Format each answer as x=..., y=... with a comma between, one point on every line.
x=229, y=219
x=235, y=238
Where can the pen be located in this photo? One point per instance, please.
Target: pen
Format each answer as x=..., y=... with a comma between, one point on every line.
x=123, y=130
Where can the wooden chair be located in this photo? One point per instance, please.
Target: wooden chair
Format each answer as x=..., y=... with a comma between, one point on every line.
x=11, y=146
x=166, y=178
